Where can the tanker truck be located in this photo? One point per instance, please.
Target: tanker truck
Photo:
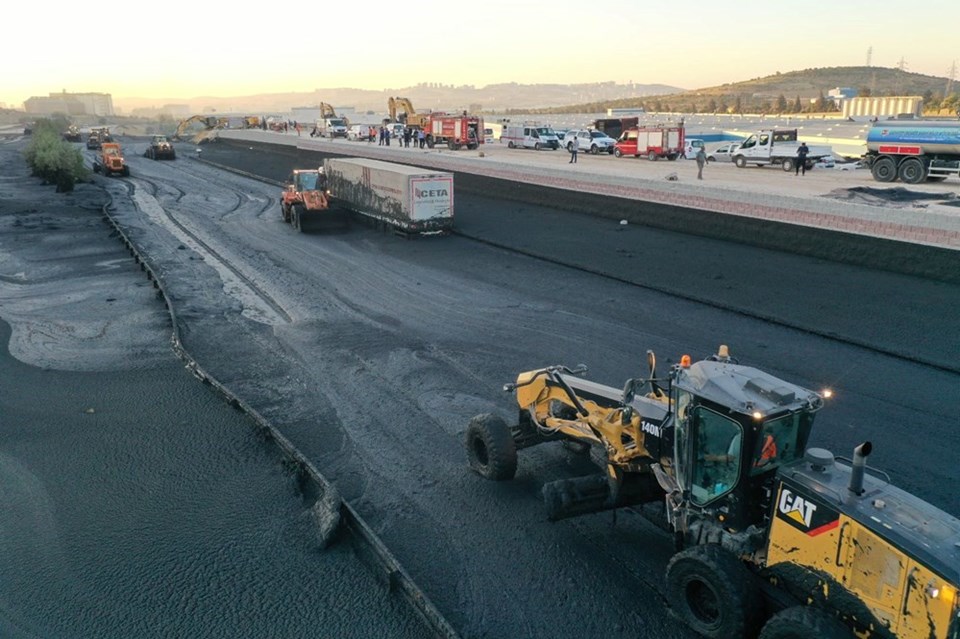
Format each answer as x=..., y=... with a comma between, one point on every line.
x=913, y=150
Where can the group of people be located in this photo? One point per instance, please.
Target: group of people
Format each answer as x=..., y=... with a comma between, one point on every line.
x=409, y=135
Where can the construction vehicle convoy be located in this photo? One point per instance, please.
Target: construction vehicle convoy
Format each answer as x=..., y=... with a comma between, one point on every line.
x=407, y=199
x=160, y=148
x=772, y=536
x=778, y=146
x=913, y=150
x=652, y=142
x=110, y=160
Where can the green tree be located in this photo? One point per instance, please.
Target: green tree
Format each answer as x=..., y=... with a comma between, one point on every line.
x=797, y=105
x=821, y=104
x=712, y=106
x=781, y=105
x=738, y=106
x=53, y=159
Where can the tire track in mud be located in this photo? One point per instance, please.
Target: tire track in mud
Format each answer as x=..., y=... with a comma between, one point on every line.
x=365, y=543
x=946, y=365
x=232, y=275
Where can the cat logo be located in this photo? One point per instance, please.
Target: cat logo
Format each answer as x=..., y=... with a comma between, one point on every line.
x=797, y=508
x=809, y=516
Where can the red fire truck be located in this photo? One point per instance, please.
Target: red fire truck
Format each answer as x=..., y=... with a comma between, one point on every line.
x=456, y=131
x=654, y=142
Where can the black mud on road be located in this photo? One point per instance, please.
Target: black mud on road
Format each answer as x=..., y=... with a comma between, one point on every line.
x=134, y=501
x=386, y=347
x=391, y=346
x=913, y=317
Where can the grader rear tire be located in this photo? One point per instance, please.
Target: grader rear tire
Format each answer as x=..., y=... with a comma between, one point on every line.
x=711, y=591
x=491, y=450
x=803, y=622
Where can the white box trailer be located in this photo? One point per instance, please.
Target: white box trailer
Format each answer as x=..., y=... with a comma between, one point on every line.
x=408, y=198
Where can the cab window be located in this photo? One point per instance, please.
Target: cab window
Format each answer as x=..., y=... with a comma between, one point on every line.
x=764, y=139
x=749, y=142
x=718, y=455
x=782, y=440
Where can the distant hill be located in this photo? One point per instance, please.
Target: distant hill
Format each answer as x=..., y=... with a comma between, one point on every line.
x=763, y=94
x=425, y=97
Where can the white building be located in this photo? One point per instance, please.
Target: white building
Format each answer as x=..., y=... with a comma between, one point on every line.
x=100, y=104
x=869, y=108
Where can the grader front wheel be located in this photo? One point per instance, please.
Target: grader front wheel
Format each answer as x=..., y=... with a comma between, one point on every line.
x=710, y=590
x=491, y=450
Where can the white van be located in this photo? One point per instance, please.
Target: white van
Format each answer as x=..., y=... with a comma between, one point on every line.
x=529, y=136
x=691, y=147
x=359, y=132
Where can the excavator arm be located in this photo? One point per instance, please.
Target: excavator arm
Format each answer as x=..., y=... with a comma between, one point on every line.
x=209, y=122
x=404, y=105
x=327, y=111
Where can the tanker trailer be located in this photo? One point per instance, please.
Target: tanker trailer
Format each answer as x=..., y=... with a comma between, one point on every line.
x=913, y=150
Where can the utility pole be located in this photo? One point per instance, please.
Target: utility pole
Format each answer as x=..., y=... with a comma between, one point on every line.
x=951, y=76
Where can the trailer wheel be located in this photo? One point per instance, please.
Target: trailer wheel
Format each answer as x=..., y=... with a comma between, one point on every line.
x=617, y=153
x=710, y=590
x=803, y=622
x=787, y=164
x=740, y=161
x=884, y=170
x=510, y=145
x=912, y=171
x=491, y=450
x=652, y=156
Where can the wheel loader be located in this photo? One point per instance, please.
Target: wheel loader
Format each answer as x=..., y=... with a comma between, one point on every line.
x=772, y=537
x=305, y=204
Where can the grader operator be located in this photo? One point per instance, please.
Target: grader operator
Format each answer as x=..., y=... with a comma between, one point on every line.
x=771, y=536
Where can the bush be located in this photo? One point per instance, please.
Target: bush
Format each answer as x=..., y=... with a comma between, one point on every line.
x=53, y=159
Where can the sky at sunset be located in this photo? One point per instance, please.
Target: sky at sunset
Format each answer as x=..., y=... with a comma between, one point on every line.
x=177, y=49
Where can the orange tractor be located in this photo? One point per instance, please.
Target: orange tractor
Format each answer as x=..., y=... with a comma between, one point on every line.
x=305, y=200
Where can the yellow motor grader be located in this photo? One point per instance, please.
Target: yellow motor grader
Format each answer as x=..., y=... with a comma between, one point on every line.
x=772, y=537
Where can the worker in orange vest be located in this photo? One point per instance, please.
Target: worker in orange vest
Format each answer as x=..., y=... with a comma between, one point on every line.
x=768, y=454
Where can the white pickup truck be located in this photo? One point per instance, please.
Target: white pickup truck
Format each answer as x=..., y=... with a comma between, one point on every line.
x=778, y=146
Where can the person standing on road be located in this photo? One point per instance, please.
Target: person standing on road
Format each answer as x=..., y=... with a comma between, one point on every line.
x=802, y=159
x=574, y=147
x=422, y=138
x=701, y=162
